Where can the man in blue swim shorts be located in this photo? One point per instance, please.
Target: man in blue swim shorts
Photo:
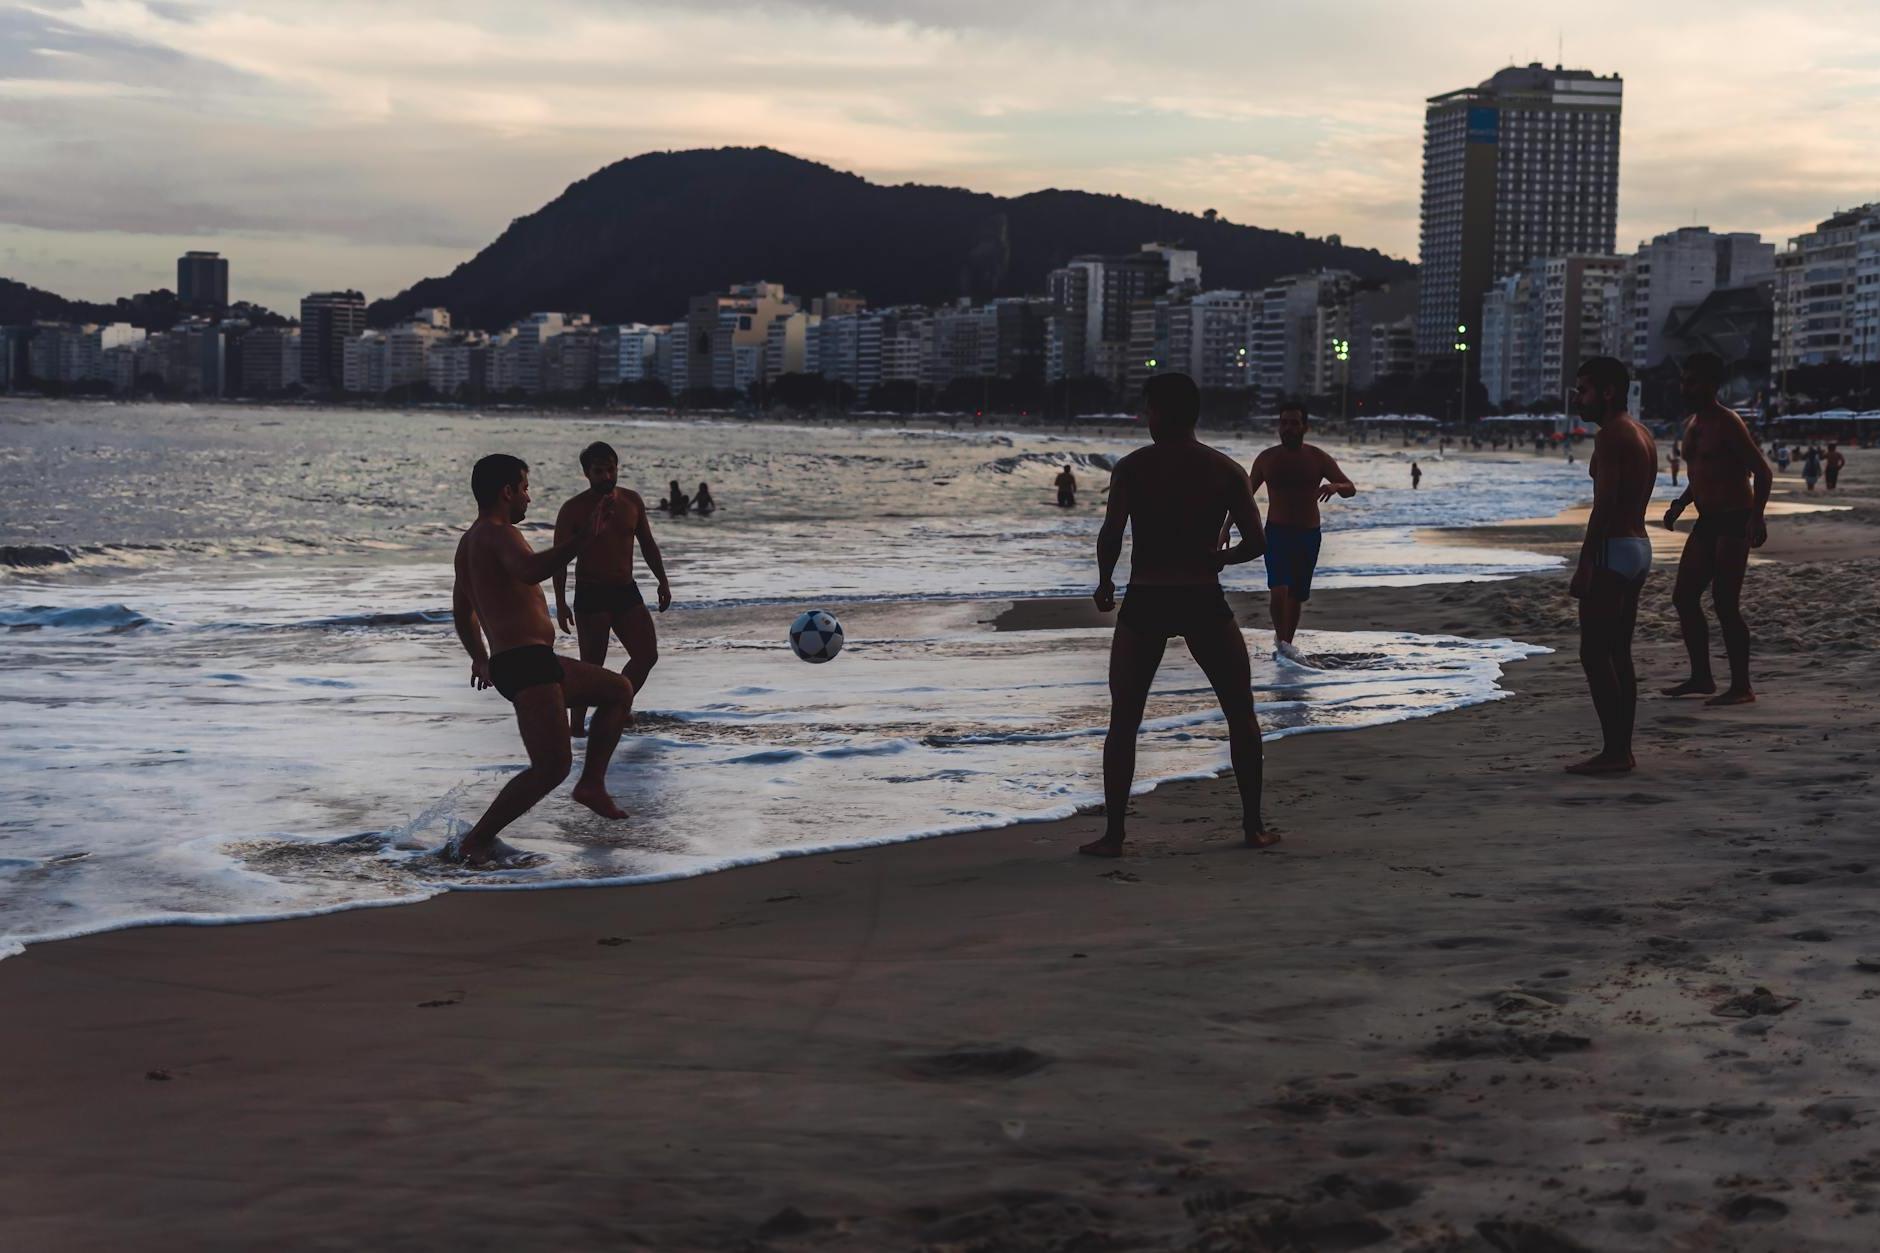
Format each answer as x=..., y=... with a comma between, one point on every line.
x=1298, y=477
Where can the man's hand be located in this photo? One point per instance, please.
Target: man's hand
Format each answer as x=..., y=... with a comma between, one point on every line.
x=665, y=596
x=1327, y=492
x=1758, y=531
x=564, y=616
x=480, y=674
x=1582, y=580
x=1673, y=514
x=1105, y=596
x=1227, y=537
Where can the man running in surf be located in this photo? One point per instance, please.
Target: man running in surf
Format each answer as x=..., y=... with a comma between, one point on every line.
x=1729, y=481
x=1298, y=477
x=1615, y=558
x=497, y=595
x=607, y=598
x=1172, y=496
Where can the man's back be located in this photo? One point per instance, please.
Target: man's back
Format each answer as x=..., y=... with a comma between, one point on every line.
x=1178, y=493
x=1625, y=466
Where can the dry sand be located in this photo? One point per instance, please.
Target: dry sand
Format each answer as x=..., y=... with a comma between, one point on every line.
x=1472, y=1003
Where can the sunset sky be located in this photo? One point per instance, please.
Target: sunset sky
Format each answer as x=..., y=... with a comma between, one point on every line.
x=335, y=143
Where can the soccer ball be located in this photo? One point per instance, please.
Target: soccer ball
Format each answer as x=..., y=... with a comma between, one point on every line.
x=816, y=636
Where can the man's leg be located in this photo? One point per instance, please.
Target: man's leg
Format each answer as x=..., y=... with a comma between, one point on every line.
x=590, y=632
x=612, y=698
x=1696, y=568
x=545, y=736
x=1606, y=657
x=1221, y=652
x=1294, y=609
x=637, y=636
x=1732, y=564
x=1280, y=603
x=1134, y=658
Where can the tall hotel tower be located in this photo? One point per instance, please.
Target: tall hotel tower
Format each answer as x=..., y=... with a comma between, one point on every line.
x=1524, y=166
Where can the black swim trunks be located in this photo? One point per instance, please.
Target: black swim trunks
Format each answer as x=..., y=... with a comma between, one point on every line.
x=595, y=597
x=529, y=666
x=1180, y=610
x=1722, y=524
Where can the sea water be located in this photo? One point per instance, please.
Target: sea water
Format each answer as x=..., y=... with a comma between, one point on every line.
x=231, y=690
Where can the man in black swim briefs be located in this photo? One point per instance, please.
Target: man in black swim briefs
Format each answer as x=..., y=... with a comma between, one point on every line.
x=1729, y=481
x=497, y=596
x=1173, y=497
x=607, y=599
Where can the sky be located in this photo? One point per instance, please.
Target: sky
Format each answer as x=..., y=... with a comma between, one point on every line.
x=368, y=143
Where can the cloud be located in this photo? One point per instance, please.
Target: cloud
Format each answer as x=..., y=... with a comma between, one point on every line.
x=408, y=130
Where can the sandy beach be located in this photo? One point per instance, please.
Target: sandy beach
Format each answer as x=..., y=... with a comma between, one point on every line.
x=1470, y=1003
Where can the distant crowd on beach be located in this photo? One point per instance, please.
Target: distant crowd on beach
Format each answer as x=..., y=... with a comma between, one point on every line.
x=677, y=504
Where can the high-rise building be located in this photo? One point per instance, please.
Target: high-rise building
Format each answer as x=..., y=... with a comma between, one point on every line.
x=202, y=281
x=270, y=360
x=1525, y=165
x=327, y=321
x=1823, y=311
x=1540, y=324
x=1298, y=321
x=723, y=322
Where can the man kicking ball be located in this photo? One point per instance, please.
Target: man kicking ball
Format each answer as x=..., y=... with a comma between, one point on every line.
x=1171, y=497
x=497, y=595
x=1298, y=477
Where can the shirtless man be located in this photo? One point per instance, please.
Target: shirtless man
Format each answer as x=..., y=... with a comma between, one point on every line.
x=1724, y=460
x=1066, y=488
x=606, y=597
x=1298, y=478
x=1171, y=496
x=1615, y=558
x=497, y=595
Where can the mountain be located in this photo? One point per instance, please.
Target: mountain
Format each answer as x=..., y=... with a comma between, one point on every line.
x=636, y=240
x=20, y=304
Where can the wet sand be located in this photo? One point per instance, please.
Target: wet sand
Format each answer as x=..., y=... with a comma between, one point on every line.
x=1471, y=1003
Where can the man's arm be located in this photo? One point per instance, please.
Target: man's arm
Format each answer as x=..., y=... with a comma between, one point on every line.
x=1245, y=515
x=463, y=616
x=1335, y=481
x=1758, y=465
x=563, y=533
x=525, y=565
x=649, y=549
x=1110, y=540
x=1678, y=506
x=1256, y=477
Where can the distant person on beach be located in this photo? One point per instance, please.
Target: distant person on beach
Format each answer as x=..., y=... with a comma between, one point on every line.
x=1298, y=477
x=497, y=596
x=1614, y=559
x=607, y=598
x=1172, y=496
x=677, y=503
x=1066, y=488
x=1782, y=458
x=1833, y=465
x=1677, y=460
x=702, y=503
x=1729, y=482
x=1811, y=468
x=1416, y=476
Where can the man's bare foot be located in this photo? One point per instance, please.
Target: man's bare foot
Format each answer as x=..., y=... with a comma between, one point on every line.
x=1690, y=687
x=595, y=797
x=1603, y=763
x=1107, y=846
x=492, y=854
x=1735, y=696
x=1262, y=837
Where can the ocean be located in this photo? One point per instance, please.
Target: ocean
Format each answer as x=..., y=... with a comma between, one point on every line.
x=231, y=690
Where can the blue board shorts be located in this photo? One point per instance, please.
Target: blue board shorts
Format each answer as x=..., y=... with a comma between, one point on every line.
x=1292, y=556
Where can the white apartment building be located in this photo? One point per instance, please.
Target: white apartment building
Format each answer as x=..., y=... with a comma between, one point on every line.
x=362, y=363
x=1679, y=269
x=1824, y=311
x=1219, y=332
x=626, y=353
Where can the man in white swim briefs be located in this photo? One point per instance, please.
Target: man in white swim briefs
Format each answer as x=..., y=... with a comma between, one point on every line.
x=1615, y=558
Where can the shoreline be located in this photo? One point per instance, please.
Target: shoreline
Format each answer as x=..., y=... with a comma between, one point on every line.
x=1468, y=990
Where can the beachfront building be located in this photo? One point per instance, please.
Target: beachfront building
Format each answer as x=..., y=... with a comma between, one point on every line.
x=458, y=364
x=270, y=361
x=789, y=345
x=1671, y=275
x=626, y=353
x=1539, y=324
x=71, y=355
x=1301, y=318
x=1822, y=311
x=327, y=321
x=1521, y=166
x=721, y=323
x=960, y=342
x=1099, y=296
x=1380, y=315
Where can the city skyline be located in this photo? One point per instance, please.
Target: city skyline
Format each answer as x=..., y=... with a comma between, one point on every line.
x=370, y=146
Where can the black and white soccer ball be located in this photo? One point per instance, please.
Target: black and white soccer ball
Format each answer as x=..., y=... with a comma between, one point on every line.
x=816, y=636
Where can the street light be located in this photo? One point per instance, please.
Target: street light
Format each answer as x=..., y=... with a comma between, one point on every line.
x=1462, y=346
x=1341, y=351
